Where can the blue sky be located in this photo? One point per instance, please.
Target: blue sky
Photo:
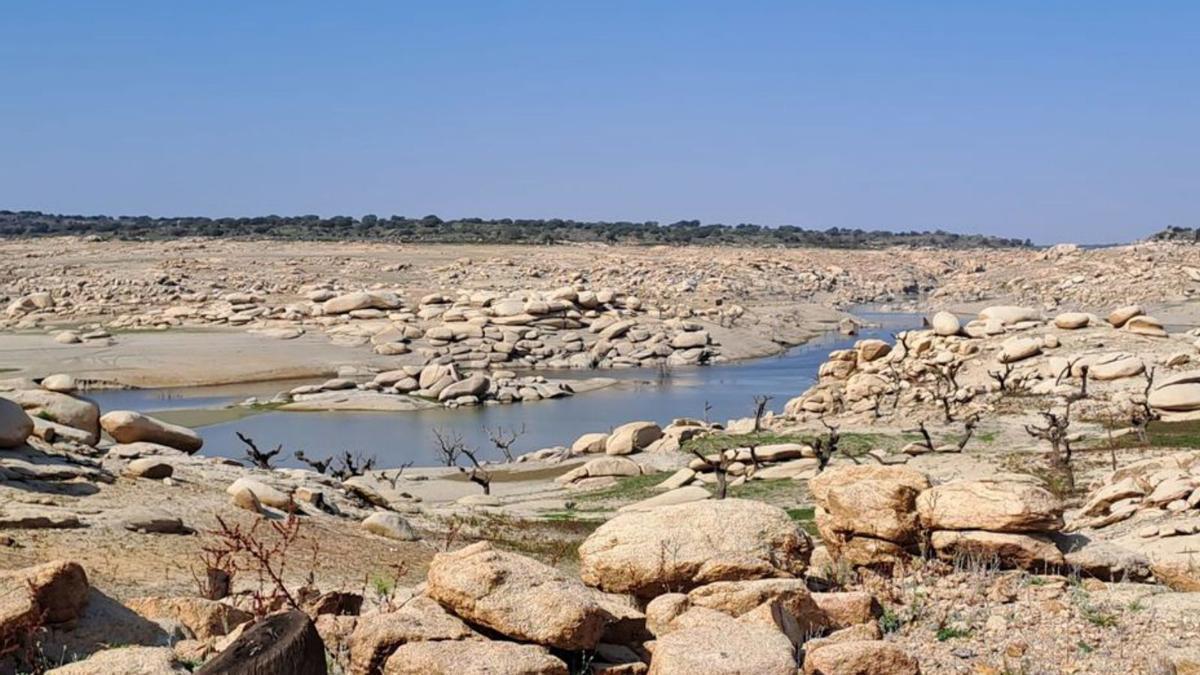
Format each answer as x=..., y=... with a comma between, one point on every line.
x=1057, y=121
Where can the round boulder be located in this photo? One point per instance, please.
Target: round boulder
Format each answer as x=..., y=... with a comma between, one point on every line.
x=688, y=545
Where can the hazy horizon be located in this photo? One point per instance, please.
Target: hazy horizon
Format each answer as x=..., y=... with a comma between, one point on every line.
x=1073, y=122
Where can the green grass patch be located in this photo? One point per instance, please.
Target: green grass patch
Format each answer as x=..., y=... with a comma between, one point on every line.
x=1099, y=618
x=890, y=622
x=629, y=489
x=951, y=633
x=712, y=443
x=1185, y=434
x=804, y=516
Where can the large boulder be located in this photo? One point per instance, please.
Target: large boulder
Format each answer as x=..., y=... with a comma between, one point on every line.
x=741, y=597
x=60, y=408
x=1072, y=320
x=1117, y=368
x=473, y=657
x=377, y=636
x=945, y=324
x=632, y=437
x=1120, y=316
x=261, y=493
x=990, y=505
x=390, y=525
x=602, y=467
x=1146, y=325
x=474, y=385
x=1026, y=551
x=53, y=592
x=871, y=501
x=350, y=302
x=1178, y=393
x=15, y=425
x=127, y=426
x=871, y=350
x=860, y=657
x=589, y=444
x=688, y=545
x=517, y=596
x=714, y=643
x=1018, y=349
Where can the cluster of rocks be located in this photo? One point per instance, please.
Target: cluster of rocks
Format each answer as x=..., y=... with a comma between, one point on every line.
x=627, y=439
x=882, y=515
x=714, y=587
x=1005, y=349
x=1146, y=512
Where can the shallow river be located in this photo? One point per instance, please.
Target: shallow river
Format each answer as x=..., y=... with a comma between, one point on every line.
x=399, y=437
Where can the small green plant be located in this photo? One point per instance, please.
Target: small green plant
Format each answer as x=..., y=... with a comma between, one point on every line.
x=890, y=622
x=1135, y=606
x=382, y=585
x=1085, y=648
x=46, y=415
x=950, y=633
x=1099, y=618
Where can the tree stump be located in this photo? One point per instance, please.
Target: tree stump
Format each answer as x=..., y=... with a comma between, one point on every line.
x=281, y=644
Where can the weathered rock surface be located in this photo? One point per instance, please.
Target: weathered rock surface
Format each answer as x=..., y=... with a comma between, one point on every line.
x=987, y=505
x=693, y=544
x=517, y=596
x=127, y=426
x=472, y=657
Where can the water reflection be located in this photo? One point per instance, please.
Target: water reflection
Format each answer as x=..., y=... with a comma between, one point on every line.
x=724, y=391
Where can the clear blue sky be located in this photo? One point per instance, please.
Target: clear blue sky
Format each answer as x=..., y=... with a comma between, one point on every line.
x=1057, y=121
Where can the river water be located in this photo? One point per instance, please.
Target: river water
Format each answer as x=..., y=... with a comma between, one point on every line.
x=398, y=437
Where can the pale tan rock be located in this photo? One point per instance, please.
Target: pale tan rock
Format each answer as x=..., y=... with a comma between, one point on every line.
x=721, y=645
x=739, y=597
x=872, y=350
x=989, y=505
x=202, y=617
x=148, y=467
x=1026, y=551
x=589, y=444
x=263, y=493
x=1018, y=349
x=390, y=525
x=690, y=545
x=945, y=324
x=472, y=657
x=1120, y=316
x=1117, y=369
x=869, y=657
x=1072, y=320
x=377, y=636
x=1146, y=325
x=15, y=425
x=632, y=437
x=662, y=611
x=847, y=608
x=517, y=596
x=59, y=408
x=53, y=592
x=869, y=500
x=125, y=661
x=127, y=426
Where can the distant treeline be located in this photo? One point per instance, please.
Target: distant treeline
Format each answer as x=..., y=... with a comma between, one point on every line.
x=432, y=229
x=1173, y=233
